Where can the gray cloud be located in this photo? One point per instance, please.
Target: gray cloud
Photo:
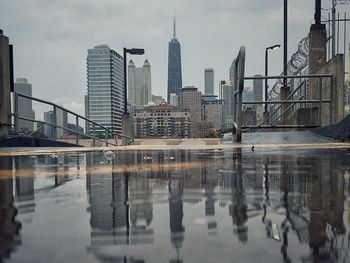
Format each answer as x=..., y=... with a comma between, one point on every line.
x=51, y=37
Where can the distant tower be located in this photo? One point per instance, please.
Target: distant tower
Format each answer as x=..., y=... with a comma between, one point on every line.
x=174, y=66
x=139, y=84
x=25, y=106
x=209, y=81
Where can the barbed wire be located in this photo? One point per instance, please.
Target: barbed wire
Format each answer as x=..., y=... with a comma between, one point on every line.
x=297, y=63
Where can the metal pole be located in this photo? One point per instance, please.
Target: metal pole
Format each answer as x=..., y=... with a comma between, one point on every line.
x=77, y=130
x=54, y=122
x=285, y=40
x=331, y=102
x=266, y=72
x=329, y=35
x=94, y=135
x=344, y=38
x=320, y=102
x=125, y=84
x=16, y=111
x=333, y=28
x=106, y=137
x=338, y=34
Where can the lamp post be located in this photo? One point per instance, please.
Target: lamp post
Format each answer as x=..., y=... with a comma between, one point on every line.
x=266, y=70
x=131, y=51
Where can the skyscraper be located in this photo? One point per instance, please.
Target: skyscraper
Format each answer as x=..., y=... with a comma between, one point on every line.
x=191, y=99
x=209, y=81
x=25, y=106
x=258, y=88
x=105, y=77
x=139, y=84
x=174, y=66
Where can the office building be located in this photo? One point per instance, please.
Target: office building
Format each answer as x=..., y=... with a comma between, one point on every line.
x=174, y=66
x=174, y=99
x=105, y=81
x=61, y=120
x=212, y=114
x=258, y=88
x=162, y=121
x=158, y=99
x=191, y=99
x=232, y=73
x=139, y=84
x=226, y=92
x=209, y=81
x=25, y=106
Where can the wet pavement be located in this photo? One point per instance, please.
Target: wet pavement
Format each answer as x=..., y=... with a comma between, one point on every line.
x=208, y=205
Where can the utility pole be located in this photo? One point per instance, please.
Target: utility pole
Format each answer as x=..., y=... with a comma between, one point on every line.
x=334, y=3
x=285, y=40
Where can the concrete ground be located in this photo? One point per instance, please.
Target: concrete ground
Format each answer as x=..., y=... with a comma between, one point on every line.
x=263, y=140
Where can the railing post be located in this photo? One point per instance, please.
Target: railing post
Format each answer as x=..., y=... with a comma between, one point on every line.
x=106, y=137
x=239, y=117
x=15, y=101
x=54, y=122
x=320, y=102
x=331, y=101
x=76, y=130
x=93, y=135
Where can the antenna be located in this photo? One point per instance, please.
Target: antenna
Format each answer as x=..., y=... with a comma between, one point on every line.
x=174, y=33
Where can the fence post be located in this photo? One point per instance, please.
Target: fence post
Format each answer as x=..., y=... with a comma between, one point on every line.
x=15, y=101
x=76, y=130
x=320, y=102
x=106, y=137
x=94, y=135
x=54, y=123
x=331, y=101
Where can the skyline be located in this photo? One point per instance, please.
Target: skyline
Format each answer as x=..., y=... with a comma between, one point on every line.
x=55, y=43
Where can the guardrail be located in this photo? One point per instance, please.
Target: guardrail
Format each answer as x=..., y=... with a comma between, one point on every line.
x=238, y=83
x=107, y=132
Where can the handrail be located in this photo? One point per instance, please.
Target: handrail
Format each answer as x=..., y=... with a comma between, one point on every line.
x=61, y=127
x=290, y=95
x=77, y=116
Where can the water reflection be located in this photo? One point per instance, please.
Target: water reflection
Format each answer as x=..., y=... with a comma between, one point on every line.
x=289, y=204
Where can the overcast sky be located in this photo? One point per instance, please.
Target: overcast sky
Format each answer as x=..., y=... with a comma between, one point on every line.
x=51, y=38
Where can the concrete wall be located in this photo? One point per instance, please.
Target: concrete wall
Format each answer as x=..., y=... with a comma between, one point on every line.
x=5, y=86
x=336, y=67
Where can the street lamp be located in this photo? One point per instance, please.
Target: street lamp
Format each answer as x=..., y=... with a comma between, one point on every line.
x=266, y=65
x=131, y=51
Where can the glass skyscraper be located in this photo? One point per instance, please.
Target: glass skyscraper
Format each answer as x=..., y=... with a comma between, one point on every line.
x=174, y=66
x=105, y=79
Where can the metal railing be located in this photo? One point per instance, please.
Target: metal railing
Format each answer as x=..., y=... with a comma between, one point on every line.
x=93, y=136
x=289, y=101
x=239, y=66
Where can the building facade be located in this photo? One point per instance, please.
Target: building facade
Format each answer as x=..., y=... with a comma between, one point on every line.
x=139, y=84
x=191, y=99
x=161, y=121
x=227, y=96
x=25, y=106
x=258, y=88
x=209, y=81
x=105, y=81
x=212, y=114
x=174, y=66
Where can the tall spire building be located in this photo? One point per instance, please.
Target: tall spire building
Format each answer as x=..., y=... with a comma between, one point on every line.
x=174, y=66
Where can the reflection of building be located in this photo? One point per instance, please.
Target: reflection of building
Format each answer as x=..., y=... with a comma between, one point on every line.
x=162, y=120
x=176, y=213
x=25, y=107
x=9, y=228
